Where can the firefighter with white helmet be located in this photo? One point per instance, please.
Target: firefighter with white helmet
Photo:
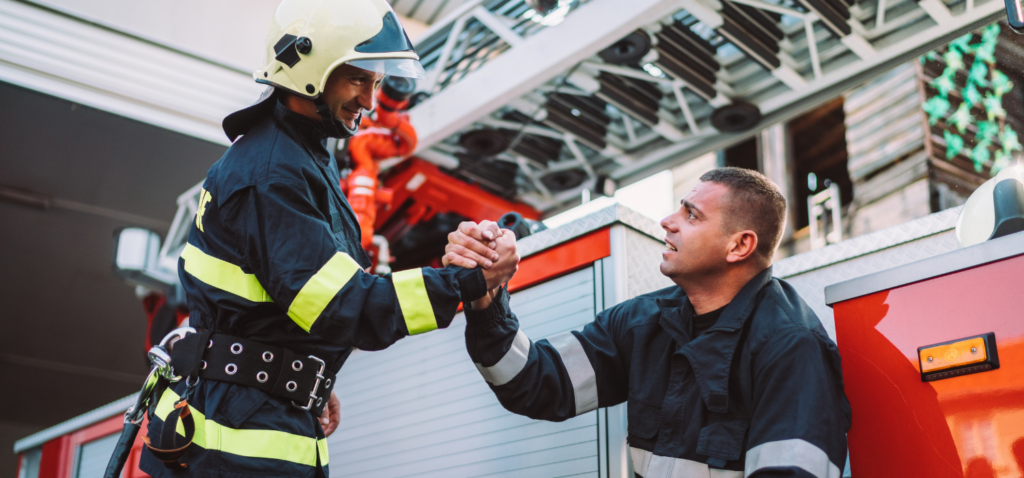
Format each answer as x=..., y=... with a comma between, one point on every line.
x=273, y=269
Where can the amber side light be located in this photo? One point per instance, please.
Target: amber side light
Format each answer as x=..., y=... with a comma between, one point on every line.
x=958, y=357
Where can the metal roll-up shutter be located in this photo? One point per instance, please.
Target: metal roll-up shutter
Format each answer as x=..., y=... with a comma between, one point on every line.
x=420, y=408
x=92, y=457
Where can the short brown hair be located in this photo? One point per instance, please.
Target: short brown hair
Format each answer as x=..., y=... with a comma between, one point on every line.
x=756, y=203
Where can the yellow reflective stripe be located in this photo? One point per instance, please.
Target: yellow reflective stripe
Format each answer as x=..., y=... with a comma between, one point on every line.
x=413, y=299
x=321, y=448
x=321, y=288
x=222, y=275
x=250, y=443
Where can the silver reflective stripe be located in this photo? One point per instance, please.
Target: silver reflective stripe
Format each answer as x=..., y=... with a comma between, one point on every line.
x=794, y=452
x=649, y=465
x=716, y=473
x=641, y=460
x=511, y=364
x=581, y=373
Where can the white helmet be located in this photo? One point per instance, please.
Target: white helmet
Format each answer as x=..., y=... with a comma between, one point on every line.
x=994, y=210
x=308, y=39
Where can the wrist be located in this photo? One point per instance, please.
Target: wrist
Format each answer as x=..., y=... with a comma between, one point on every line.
x=485, y=301
x=492, y=315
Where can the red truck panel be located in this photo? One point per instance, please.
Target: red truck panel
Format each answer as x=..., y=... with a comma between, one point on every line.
x=966, y=426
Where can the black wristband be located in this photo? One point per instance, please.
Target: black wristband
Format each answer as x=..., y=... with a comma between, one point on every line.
x=472, y=284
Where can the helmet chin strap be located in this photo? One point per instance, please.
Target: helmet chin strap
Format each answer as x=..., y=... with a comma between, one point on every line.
x=333, y=127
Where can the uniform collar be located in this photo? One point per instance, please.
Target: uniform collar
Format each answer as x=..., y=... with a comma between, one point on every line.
x=711, y=354
x=308, y=132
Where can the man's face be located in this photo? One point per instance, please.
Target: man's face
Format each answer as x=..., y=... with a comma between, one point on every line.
x=695, y=236
x=349, y=92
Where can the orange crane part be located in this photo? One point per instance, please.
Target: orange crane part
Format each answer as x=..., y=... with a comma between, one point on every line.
x=431, y=191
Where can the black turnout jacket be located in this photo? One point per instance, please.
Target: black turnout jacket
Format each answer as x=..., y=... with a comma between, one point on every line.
x=274, y=256
x=759, y=394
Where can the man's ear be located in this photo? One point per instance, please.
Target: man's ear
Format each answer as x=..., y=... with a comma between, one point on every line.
x=742, y=245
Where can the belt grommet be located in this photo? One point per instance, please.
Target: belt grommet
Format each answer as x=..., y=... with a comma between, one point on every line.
x=267, y=356
x=319, y=400
x=291, y=386
x=327, y=384
x=236, y=348
x=262, y=377
x=297, y=365
x=210, y=345
x=231, y=369
x=203, y=362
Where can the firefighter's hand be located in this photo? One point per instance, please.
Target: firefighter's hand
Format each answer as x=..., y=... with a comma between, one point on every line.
x=473, y=245
x=332, y=415
x=502, y=270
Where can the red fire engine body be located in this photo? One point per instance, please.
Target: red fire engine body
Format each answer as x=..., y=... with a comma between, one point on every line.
x=967, y=418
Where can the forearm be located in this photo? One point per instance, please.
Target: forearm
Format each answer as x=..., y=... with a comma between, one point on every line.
x=553, y=379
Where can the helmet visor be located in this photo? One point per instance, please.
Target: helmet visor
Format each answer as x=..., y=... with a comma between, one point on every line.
x=403, y=67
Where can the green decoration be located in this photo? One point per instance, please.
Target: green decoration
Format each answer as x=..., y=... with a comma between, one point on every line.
x=980, y=155
x=988, y=130
x=962, y=43
x=1001, y=83
x=984, y=88
x=1010, y=141
x=954, y=59
x=962, y=118
x=971, y=95
x=1001, y=161
x=979, y=71
x=954, y=144
x=994, y=107
x=936, y=107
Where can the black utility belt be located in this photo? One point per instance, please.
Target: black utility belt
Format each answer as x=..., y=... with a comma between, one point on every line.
x=302, y=379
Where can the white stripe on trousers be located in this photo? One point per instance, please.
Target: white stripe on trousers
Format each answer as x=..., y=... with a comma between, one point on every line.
x=794, y=452
x=649, y=465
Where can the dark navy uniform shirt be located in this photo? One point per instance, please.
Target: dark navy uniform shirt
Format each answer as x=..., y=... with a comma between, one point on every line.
x=274, y=256
x=758, y=394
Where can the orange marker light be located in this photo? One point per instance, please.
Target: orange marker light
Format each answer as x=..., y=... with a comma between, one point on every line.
x=958, y=357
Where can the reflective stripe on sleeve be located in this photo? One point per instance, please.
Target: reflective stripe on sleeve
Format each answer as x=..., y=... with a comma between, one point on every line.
x=222, y=275
x=274, y=444
x=649, y=465
x=414, y=302
x=581, y=372
x=313, y=298
x=511, y=364
x=794, y=452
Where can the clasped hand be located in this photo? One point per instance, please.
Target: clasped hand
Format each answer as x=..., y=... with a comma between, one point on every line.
x=488, y=246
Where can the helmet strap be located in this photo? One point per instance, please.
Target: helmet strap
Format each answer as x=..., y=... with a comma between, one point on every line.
x=333, y=127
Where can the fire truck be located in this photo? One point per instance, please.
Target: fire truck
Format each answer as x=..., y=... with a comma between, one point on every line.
x=578, y=96
x=929, y=332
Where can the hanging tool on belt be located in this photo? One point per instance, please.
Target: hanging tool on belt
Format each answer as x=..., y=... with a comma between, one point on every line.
x=203, y=355
x=160, y=375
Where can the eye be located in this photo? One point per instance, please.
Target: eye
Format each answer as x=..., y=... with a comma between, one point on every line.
x=690, y=215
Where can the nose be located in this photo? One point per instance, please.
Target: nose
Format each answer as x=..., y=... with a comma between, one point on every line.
x=667, y=224
x=366, y=98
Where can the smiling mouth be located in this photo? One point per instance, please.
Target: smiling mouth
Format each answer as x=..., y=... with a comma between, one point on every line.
x=671, y=247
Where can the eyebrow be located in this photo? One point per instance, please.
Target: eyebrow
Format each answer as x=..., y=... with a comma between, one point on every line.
x=689, y=205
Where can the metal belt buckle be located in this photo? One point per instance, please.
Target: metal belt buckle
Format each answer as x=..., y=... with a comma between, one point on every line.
x=316, y=386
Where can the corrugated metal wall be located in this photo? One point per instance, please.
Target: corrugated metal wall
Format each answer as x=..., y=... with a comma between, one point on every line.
x=420, y=408
x=91, y=458
x=887, y=158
